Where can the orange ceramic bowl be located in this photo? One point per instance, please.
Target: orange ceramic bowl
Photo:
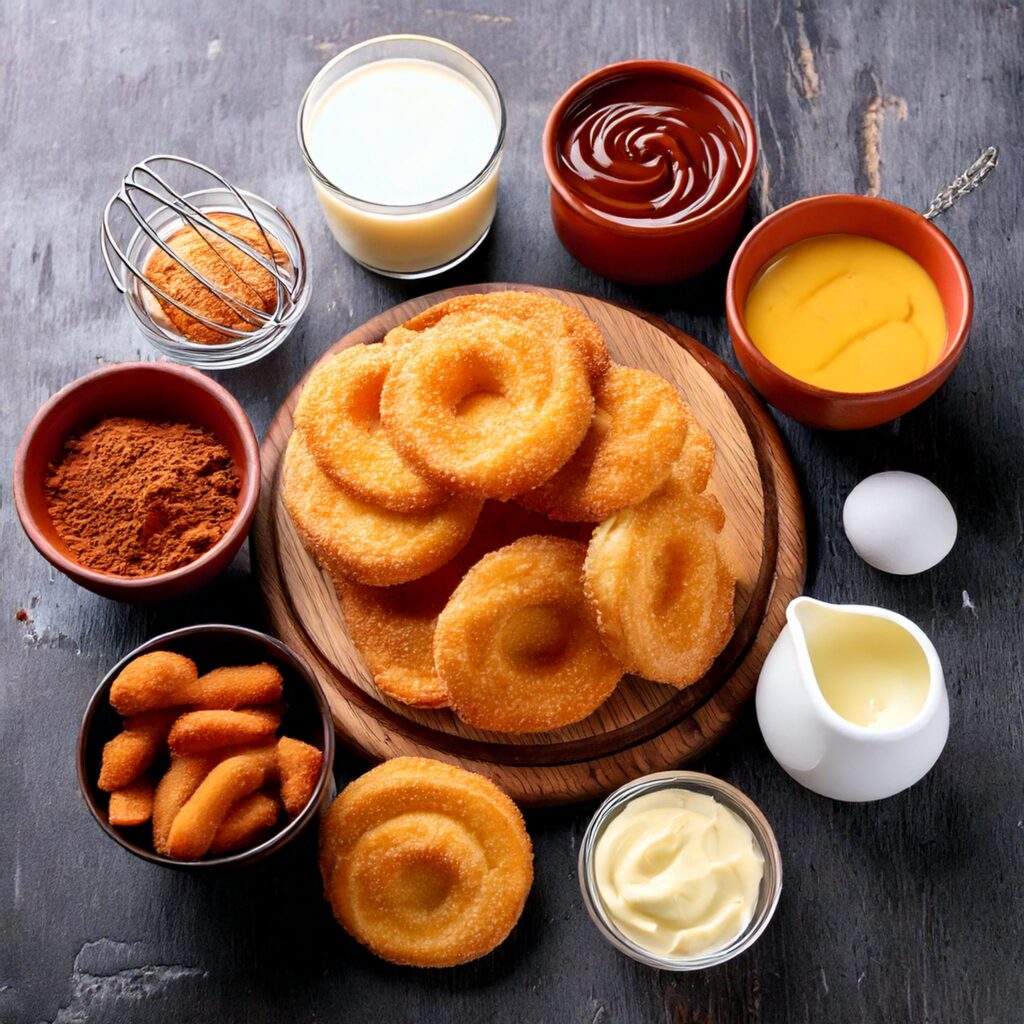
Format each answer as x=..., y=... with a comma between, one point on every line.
x=160, y=391
x=639, y=253
x=854, y=215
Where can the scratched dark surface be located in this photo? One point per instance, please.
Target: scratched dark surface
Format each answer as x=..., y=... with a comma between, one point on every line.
x=905, y=910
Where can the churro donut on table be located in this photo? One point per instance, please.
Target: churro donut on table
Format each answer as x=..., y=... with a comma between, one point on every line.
x=633, y=441
x=541, y=313
x=370, y=544
x=338, y=416
x=657, y=580
x=424, y=863
x=517, y=644
x=487, y=406
x=393, y=627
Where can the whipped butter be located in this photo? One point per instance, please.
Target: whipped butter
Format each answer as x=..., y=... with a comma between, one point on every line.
x=678, y=873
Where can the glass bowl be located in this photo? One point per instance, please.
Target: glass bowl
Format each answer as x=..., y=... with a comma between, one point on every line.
x=238, y=352
x=744, y=808
x=426, y=238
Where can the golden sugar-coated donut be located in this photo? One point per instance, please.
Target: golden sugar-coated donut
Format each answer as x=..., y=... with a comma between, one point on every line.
x=487, y=406
x=697, y=457
x=338, y=416
x=393, y=627
x=372, y=545
x=517, y=644
x=424, y=863
x=634, y=439
x=661, y=589
x=541, y=313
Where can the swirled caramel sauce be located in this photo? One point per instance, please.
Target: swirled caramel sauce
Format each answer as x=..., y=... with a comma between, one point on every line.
x=650, y=151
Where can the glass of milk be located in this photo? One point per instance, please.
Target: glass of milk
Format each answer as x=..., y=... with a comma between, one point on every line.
x=403, y=136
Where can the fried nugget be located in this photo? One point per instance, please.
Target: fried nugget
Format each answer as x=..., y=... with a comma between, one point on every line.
x=299, y=766
x=196, y=824
x=180, y=781
x=246, y=822
x=131, y=805
x=238, y=686
x=197, y=732
x=134, y=749
x=160, y=679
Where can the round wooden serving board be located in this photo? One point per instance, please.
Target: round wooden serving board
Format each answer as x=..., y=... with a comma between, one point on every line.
x=644, y=726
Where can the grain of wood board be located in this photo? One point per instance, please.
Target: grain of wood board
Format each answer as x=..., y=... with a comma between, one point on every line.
x=906, y=910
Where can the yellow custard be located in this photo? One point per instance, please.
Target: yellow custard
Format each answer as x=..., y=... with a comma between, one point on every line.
x=847, y=313
x=678, y=872
x=870, y=670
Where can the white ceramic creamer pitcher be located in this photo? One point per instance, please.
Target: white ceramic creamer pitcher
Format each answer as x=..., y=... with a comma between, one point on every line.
x=851, y=700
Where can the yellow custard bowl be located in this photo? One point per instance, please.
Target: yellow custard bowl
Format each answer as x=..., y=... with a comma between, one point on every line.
x=869, y=310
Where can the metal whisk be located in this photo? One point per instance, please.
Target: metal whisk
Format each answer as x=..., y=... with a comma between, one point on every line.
x=156, y=209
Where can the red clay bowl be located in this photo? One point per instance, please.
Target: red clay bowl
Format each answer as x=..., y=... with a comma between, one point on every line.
x=854, y=215
x=307, y=718
x=153, y=391
x=638, y=253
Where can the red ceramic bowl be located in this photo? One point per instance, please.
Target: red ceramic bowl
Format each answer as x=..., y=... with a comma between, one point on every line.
x=854, y=215
x=152, y=391
x=638, y=253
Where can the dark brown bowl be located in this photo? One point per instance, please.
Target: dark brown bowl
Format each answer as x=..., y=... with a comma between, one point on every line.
x=855, y=215
x=151, y=391
x=307, y=718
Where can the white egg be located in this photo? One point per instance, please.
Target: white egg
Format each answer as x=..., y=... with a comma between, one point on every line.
x=900, y=523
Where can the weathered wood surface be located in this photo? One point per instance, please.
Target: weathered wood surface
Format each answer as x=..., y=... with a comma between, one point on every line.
x=907, y=910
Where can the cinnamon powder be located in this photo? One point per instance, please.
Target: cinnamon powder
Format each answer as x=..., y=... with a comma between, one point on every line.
x=133, y=497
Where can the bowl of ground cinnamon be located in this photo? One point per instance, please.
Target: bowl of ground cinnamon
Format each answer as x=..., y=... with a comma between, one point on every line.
x=138, y=481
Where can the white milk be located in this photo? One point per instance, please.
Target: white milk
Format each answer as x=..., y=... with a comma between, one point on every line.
x=401, y=133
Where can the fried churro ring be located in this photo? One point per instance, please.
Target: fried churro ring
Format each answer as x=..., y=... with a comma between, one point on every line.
x=338, y=416
x=197, y=732
x=196, y=824
x=541, y=313
x=487, y=406
x=365, y=542
x=659, y=584
x=180, y=781
x=134, y=749
x=424, y=863
x=131, y=805
x=160, y=679
x=299, y=767
x=246, y=822
x=517, y=644
x=634, y=439
x=393, y=627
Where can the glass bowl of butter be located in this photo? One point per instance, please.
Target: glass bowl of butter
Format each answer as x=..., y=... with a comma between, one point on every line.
x=680, y=871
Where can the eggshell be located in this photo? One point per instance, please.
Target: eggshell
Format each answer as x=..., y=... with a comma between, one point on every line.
x=899, y=522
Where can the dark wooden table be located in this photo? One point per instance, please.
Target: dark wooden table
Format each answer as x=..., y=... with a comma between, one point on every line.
x=905, y=910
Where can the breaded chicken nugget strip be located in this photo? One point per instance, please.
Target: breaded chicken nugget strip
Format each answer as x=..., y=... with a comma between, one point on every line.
x=238, y=687
x=132, y=805
x=196, y=824
x=245, y=822
x=178, y=784
x=160, y=679
x=299, y=765
x=133, y=750
x=197, y=732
